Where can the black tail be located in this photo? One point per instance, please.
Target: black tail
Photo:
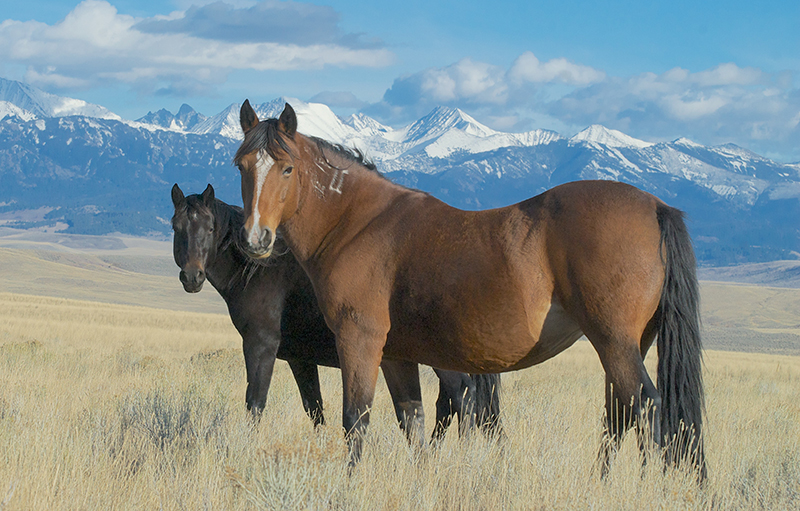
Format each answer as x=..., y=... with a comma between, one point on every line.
x=487, y=404
x=680, y=379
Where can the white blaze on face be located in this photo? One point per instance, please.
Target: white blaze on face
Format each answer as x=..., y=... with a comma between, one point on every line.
x=263, y=164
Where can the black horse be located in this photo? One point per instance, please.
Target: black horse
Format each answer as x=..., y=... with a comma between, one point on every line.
x=273, y=306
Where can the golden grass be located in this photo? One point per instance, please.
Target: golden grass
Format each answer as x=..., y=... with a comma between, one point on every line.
x=765, y=309
x=121, y=407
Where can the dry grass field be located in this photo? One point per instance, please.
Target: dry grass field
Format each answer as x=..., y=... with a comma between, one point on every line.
x=119, y=393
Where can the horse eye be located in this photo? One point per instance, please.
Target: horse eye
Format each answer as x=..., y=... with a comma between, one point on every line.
x=288, y=170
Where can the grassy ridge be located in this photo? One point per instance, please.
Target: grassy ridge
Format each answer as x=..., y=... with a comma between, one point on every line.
x=133, y=280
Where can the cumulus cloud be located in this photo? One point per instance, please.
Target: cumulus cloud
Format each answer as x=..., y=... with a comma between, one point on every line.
x=94, y=44
x=726, y=103
x=466, y=80
x=480, y=85
x=528, y=68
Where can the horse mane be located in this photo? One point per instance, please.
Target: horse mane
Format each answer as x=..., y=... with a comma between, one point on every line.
x=353, y=155
x=266, y=136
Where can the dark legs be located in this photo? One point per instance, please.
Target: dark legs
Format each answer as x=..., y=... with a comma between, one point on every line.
x=307, y=377
x=402, y=378
x=631, y=401
x=456, y=396
x=259, y=358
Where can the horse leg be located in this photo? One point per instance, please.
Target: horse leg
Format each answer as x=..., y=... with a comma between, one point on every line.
x=487, y=404
x=306, y=375
x=259, y=357
x=402, y=378
x=631, y=398
x=360, y=357
x=456, y=396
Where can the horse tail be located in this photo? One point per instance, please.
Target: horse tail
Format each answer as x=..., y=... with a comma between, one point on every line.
x=487, y=404
x=680, y=379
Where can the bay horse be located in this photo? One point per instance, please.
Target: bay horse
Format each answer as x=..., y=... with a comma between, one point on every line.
x=272, y=305
x=400, y=274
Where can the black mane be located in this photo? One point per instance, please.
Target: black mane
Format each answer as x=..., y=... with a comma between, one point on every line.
x=266, y=135
x=351, y=154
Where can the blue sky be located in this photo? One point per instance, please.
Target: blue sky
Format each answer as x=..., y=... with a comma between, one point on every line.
x=713, y=71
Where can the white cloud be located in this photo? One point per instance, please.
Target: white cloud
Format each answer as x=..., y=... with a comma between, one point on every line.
x=727, y=74
x=687, y=109
x=95, y=43
x=726, y=103
x=479, y=84
x=464, y=80
x=528, y=68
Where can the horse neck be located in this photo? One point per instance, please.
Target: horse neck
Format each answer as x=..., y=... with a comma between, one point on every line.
x=329, y=194
x=230, y=262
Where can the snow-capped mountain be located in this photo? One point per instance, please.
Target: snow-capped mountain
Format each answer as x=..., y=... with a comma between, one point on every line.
x=601, y=135
x=11, y=110
x=439, y=134
x=43, y=104
x=103, y=174
x=185, y=120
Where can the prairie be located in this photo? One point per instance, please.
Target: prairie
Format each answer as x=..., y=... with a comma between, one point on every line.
x=119, y=391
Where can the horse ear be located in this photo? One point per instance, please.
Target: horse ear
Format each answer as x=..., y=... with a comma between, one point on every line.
x=177, y=196
x=288, y=121
x=208, y=196
x=247, y=117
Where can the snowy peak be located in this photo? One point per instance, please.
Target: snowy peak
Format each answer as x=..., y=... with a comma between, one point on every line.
x=225, y=123
x=313, y=119
x=161, y=118
x=186, y=119
x=273, y=109
x=43, y=104
x=443, y=119
x=685, y=142
x=612, y=138
x=537, y=137
x=366, y=125
x=11, y=110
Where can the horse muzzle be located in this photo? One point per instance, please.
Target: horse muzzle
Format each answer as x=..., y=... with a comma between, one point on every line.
x=193, y=280
x=258, y=243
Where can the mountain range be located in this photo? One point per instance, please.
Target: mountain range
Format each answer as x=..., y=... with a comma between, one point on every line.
x=70, y=165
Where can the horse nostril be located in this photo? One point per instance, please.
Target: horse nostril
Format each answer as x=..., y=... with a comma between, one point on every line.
x=192, y=277
x=266, y=237
x=257, y=240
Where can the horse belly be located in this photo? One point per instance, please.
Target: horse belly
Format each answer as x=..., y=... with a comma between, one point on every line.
x=493, y=341
x=558, y=332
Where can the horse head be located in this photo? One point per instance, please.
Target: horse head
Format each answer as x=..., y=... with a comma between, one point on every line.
x=270, y=185
x=194, y=244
